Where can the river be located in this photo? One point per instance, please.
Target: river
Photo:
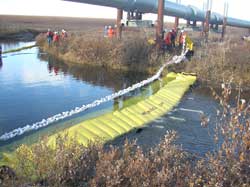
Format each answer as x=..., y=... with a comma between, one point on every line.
x=35, y=86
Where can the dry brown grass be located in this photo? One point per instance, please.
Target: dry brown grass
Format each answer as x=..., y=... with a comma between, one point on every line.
x=132, y=52
x=217, y=61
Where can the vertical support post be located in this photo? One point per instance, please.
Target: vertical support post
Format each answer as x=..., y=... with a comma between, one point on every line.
x=203, y=22
x=207, y=21
x=249, y=31
x=203, y=28
x=206, y=29
x=188, y=23
x=223, y=28
x=119, y=24
x=176, y=22
x=224, y=21
x=216, y=27
x=194, y=23
x=160, y=19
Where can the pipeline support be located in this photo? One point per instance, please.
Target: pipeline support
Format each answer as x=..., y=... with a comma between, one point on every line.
x=160, y=20
x=207, y=22
x=224, y=28
x=119, y=24
x=176, y=23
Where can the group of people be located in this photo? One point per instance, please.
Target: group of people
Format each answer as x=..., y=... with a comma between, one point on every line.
x=109, y=31
x=182, y=39
x=55, y=36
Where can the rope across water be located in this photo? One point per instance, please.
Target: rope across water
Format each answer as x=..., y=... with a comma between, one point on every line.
x=63, y=115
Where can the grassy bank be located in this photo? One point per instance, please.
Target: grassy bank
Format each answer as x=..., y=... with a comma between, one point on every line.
x=217, y=61
x=132, y=52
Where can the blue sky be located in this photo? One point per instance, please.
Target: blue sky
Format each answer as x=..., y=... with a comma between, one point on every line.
x=237, y=8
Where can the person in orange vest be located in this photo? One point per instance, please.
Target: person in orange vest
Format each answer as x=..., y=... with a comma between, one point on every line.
x=181, y=39
x=110, y=32
x=168, y=41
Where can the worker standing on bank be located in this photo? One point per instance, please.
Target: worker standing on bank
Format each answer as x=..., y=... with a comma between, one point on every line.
x=187, y=45
x=49, y=36
x=56, y=37
x=168, y=43
x=110, y=32
x=173, y=37
x=64, y=34
x=181, y=40
x=105, y=31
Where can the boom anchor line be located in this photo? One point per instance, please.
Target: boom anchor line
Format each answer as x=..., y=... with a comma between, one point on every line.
x=45, y=122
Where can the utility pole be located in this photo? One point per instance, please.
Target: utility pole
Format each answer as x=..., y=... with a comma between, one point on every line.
x=160, y=20
x=119, y=24
x=176, y=23
x=226, y=6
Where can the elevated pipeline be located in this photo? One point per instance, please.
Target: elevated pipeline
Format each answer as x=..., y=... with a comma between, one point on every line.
x=191, y=13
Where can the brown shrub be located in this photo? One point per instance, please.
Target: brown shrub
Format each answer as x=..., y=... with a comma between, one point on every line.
x=83, y=48
x=216, y=62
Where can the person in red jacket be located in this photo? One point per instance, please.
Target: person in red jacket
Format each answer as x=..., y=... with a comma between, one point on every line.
x=168, y=41
x=56, y=38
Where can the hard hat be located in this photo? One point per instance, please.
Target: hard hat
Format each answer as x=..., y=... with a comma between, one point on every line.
x=48, y=29
x=63, y=31
x=110, y=27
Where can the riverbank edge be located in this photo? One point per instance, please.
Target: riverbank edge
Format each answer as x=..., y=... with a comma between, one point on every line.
x=20, y=35
x=131, y=68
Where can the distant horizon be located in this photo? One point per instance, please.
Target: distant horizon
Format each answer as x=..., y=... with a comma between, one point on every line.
x=60, y=16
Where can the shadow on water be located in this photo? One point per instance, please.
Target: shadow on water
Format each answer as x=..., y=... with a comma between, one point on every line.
x=1, y=62
x=96, y=75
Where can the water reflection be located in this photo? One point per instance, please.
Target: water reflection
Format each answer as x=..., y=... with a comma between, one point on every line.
x=1, y=62
x=14, y=45
x=96, y=75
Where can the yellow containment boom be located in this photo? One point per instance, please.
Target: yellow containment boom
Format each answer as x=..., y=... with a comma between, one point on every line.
x=109, y=126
